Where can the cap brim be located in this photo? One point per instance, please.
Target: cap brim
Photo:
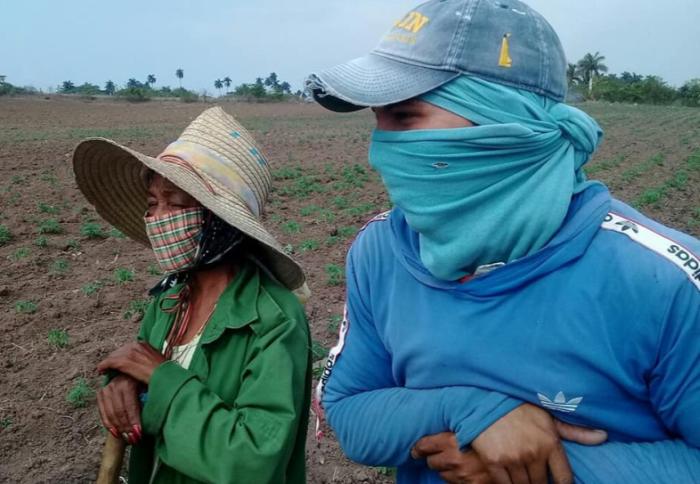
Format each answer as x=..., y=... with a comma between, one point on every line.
x=373, y=81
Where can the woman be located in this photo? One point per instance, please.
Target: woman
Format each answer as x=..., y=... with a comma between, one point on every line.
x=216, y=389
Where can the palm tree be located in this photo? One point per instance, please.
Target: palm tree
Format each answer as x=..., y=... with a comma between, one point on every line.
x=110, y=88
x=272, y=81
x=285, y=87
x=591, y=66
x=180, y=74
x=572, y=74
x=227, y=82
x=218, y=84
x=151, y=80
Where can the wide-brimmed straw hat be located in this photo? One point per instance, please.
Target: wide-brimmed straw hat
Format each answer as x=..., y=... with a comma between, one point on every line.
x=215, y=160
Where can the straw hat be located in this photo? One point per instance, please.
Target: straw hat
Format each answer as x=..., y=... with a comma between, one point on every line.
x=215, y=160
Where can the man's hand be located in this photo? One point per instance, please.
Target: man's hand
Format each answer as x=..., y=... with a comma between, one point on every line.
x=442, y=454
x=120, y=410
x=521, y=447
x=137, y=360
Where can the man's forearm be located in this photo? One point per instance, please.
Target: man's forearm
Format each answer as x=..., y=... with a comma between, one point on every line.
x=641, y=463
x=380, y=427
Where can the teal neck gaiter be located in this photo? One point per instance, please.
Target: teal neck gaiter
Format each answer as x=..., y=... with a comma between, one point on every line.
x=495, y=192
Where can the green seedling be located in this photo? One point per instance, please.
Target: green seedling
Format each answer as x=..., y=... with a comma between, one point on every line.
x=92, y=230
x=327, y=216
x=341, y=202
x=115, y=233
x=49, y=178
x=25, y=307
x=50, y=226
x=73, y=244
x=154, y=270
x=318, y=351
x=60, y=266
x=58, y=338
x=334, y=323
x=122, y=275
x=334, y=275
x=309, y=245
x=91, y=288
x=19, y=254
x=41, y=241
x=347, y=232
x=309, y=210
x=291, y=227
x=80, y=394
x=5, y=235
x=5, y=422
x=48, y=209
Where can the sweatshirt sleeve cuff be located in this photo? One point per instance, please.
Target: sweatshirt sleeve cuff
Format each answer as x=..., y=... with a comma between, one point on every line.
x=165, y=382
x=491, y=409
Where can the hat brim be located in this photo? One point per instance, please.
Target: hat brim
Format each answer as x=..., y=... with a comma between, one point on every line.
x=109, y=175
x=373, y=81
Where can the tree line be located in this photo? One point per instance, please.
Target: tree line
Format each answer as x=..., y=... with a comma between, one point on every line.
x=589, y=80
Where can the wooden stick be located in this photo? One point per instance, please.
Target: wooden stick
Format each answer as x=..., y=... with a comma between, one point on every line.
x=112, y=458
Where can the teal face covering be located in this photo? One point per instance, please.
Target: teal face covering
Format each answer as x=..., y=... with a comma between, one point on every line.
x=491, y=193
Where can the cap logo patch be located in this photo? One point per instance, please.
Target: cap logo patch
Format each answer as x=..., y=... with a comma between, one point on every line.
x=505, y=60
x=413, y=22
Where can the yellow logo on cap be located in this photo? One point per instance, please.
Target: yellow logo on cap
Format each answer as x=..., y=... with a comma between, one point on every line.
x=413, y=22
x=505, y=60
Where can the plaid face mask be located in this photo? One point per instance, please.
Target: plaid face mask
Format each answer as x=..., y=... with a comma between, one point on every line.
x=175, y=238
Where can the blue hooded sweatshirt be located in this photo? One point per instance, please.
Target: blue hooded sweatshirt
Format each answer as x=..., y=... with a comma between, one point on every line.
x=601, y=327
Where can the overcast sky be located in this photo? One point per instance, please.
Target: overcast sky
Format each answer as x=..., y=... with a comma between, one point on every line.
x=44, y=42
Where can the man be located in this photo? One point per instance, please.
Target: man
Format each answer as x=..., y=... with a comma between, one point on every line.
x=504, y=289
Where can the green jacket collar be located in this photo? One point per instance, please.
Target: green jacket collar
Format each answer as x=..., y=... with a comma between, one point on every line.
x=236, y=306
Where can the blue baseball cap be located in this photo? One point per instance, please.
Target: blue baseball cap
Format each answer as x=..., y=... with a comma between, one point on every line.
x=502, y=41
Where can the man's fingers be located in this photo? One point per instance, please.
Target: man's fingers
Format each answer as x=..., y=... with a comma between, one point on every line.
x=518, y=475
x=432, y=444
x=559, y=466
x=538, y=473
x=499, y=475
x=443, y=461
x=580, y=435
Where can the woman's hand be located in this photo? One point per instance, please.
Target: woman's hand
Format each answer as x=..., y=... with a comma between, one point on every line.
x=138, y=360
x=120, y=410
x=522, y=447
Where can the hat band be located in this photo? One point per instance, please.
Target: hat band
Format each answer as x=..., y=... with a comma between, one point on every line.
x=198, y=158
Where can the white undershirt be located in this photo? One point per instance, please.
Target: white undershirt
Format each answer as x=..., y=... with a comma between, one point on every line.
x=182, y=354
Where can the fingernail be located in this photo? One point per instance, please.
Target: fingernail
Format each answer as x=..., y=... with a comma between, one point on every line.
x=137, y=430
x=132, y=439
x=113, y=431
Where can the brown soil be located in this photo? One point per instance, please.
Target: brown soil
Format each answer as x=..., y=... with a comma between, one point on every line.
x=324, y=192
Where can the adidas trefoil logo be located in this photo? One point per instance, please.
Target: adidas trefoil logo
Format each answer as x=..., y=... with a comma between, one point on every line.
x=560, y=404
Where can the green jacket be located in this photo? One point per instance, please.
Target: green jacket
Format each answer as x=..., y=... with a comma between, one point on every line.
x=239, y=413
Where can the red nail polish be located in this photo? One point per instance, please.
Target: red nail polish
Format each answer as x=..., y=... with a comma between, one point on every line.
x=113, y=431
x=137, y=431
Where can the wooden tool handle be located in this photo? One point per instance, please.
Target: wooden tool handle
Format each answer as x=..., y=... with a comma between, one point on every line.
x=112, y=458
